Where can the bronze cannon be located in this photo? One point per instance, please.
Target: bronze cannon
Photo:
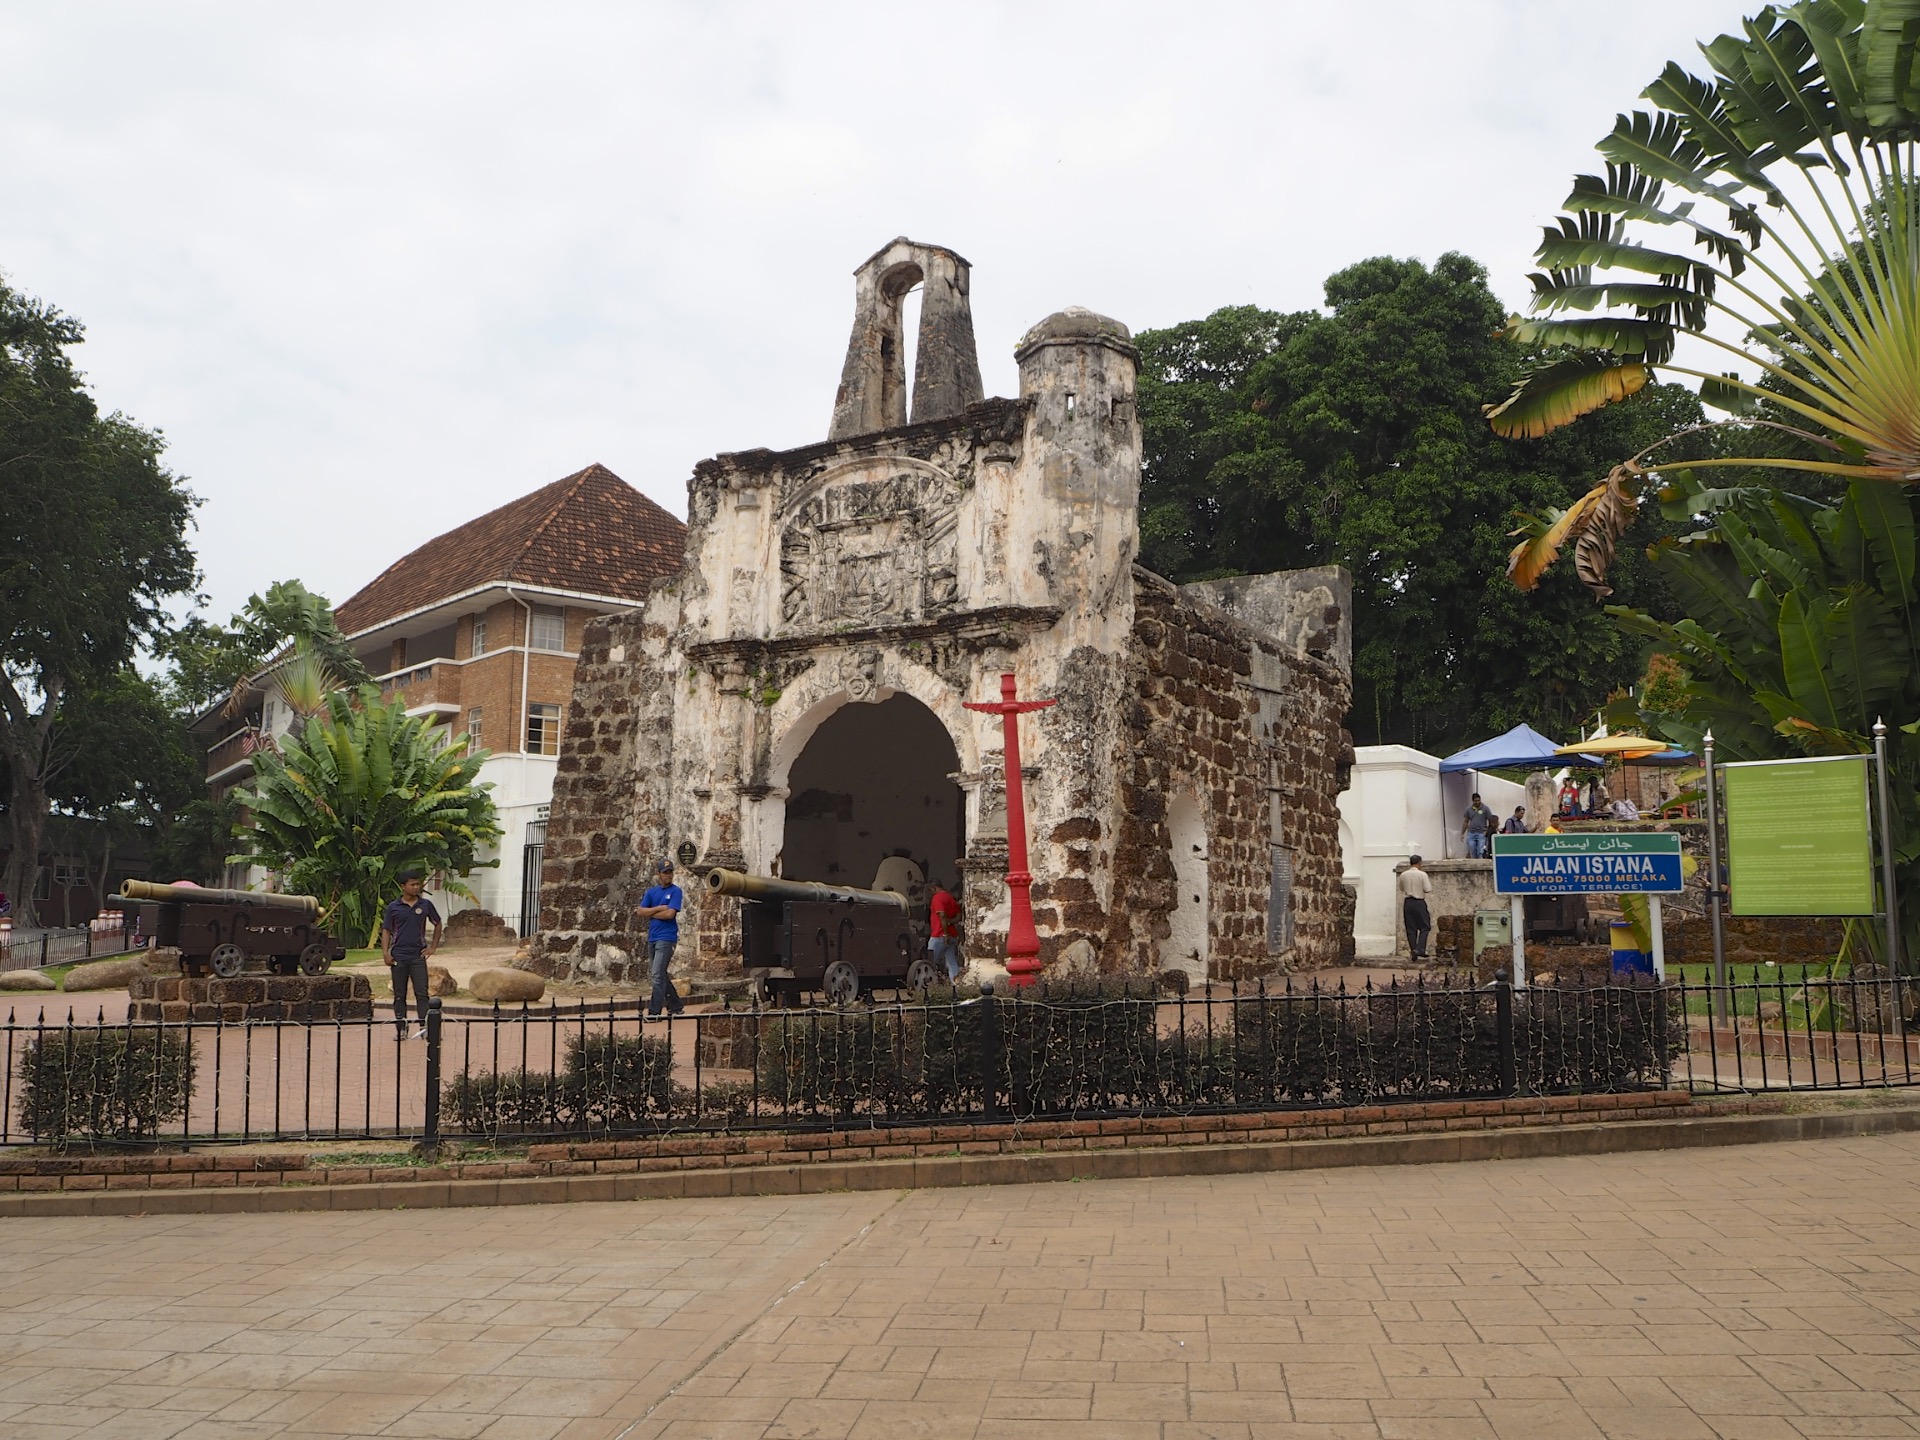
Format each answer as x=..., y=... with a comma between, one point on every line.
x=222, y=930
x=838, y=940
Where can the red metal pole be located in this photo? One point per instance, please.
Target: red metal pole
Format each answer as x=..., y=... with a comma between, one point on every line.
x=1023, y=943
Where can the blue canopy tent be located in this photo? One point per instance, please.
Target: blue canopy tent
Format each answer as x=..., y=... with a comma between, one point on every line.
x=1521, y=746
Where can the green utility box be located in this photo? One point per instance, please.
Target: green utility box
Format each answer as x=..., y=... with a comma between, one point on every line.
x=1492, y=928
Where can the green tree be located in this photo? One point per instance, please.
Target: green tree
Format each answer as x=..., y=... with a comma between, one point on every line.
x=1803, y=135
x=359, y=793
x=1802, y=629
x=1355, y=436
x=92, y=545
x=127, y=768
x=210, y=662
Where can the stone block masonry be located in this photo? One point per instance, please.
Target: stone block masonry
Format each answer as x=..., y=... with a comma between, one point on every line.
x=1222, y=714
x=300, y=998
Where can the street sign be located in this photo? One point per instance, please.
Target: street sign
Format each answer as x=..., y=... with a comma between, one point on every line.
x=1799, y=839
x=1596, y=863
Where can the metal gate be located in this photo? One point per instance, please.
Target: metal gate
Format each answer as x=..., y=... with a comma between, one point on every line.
x=531, y=855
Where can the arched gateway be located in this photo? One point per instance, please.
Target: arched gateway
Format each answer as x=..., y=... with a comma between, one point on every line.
x=874, y=782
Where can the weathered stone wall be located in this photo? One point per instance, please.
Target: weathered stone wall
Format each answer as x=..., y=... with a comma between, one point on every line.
x=621, y=707
x=1216, y=711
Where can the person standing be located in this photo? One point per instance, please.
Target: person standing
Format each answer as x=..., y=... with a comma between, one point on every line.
x=1516, y=822
x=943, y=924
x=406, y=949
x=1415, y=886
x=660, y=907
x=1476, y=828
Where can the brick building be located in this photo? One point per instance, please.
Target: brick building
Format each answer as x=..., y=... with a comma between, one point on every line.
x=479, y=628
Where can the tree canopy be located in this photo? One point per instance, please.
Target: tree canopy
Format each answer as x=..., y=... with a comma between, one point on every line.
x=92, y=546
x=1355, y=435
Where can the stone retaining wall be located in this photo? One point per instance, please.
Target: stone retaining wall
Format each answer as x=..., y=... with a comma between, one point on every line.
x=251, y=997
x=726, y=1151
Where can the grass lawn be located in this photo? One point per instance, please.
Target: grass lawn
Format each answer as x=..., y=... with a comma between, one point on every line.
x=1754, y=985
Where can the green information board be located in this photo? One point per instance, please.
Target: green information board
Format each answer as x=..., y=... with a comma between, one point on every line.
x=1799, y=840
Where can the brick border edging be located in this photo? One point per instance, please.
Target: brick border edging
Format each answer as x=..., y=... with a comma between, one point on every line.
x=953, y=1170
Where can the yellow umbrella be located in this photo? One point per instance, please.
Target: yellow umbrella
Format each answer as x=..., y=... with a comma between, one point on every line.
x=1627, y=747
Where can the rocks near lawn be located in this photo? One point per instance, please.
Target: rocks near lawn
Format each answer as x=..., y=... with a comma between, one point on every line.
x=106, y=974
x=506, y=986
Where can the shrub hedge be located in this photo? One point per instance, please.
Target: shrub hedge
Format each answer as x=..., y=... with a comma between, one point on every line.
x=1110, y=1046
x=101, y=1086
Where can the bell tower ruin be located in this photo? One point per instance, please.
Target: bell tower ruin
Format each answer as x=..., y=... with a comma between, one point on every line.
x=946, y=374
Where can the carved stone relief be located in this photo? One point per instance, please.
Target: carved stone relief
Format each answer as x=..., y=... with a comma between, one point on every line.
x=871, y=545
x=860, y=669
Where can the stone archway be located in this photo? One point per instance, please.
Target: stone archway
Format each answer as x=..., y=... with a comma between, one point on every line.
x=873, y=781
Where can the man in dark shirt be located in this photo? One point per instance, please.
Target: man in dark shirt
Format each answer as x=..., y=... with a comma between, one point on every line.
x=406, y=949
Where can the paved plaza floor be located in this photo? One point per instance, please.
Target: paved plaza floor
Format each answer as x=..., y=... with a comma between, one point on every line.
x=1746, y=1293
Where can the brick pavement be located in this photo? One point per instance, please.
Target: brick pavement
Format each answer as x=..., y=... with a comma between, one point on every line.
x=1728, y=1294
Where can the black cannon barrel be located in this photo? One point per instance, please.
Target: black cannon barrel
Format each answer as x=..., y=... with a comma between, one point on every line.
x=146, y=890
x=766, y=887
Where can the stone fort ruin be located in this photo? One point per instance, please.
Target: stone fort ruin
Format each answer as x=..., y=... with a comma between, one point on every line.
x=791, y=703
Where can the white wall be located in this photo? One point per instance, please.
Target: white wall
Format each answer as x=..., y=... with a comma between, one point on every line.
x=522, y=787
x=1399, y=804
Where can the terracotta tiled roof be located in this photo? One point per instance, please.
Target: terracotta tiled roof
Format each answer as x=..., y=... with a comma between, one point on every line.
x=591, y=532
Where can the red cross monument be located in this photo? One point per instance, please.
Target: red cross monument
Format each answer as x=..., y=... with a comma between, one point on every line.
x=1023, y=945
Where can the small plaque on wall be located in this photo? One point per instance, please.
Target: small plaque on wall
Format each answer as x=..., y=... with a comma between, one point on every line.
x=688, y=853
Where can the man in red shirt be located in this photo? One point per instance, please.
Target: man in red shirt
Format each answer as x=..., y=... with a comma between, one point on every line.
x=943, y=943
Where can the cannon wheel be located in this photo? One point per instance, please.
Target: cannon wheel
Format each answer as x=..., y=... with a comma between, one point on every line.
x=840, y=983
x=228, y=961
x=923, y=975
x=314, y=960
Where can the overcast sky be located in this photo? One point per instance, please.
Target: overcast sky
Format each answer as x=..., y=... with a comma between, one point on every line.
x=376, y=269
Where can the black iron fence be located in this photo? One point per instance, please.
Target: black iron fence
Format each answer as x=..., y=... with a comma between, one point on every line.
x=1107, y=1051
x=35, y=949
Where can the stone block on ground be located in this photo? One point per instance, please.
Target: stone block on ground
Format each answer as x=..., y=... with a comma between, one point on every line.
x=106, y=974
x=26, y=980
x=477, y=927
x=440, y=981
x=506, y=986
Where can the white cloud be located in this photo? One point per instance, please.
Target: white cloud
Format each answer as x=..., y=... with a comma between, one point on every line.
x=376, y=269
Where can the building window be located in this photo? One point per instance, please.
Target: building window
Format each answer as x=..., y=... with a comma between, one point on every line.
x=543, y=729
x=71, y=876
x=473, y=727
x=549, y=630
x=479, y=635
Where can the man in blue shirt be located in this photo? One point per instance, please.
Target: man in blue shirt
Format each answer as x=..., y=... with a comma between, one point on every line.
x=404, y=945
x=660, y=907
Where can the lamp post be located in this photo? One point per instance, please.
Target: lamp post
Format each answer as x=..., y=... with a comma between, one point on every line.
x=1890, y=907
x=1023, y=945
x=1722, y=997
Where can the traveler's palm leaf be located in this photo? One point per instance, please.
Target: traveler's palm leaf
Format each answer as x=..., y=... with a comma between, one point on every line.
x=360, y=793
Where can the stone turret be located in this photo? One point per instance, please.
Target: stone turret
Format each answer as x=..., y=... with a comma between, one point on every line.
x=1079, y=479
